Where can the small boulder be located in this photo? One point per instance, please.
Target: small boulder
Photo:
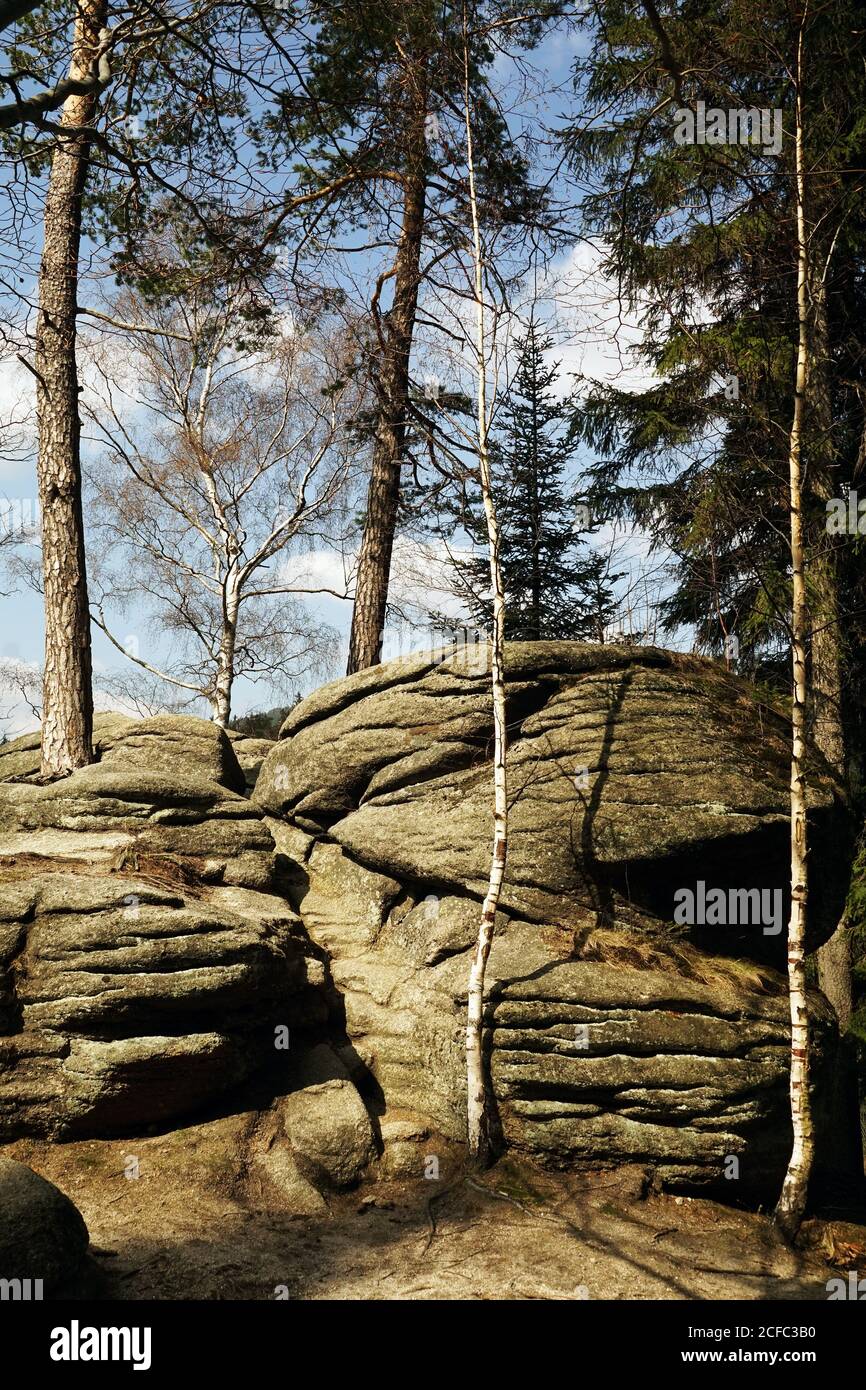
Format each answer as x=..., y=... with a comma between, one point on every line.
x=404, y=1146
x=276, y=1170
x=42, y=1234
x=326, y=1121
x=162, y=743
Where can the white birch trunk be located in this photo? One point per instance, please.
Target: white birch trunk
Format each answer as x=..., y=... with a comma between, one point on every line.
x=478, y=1109
x=792, y=1200
x=222, y=698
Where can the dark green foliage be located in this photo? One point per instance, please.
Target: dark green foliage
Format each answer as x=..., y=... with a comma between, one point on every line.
x=555, y=586
x=263, y=723
x=370, y=68
x=701, y=238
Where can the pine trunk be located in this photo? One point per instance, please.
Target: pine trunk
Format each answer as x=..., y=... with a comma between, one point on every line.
x=825, y=692
x=383, y=496
x=67, y=717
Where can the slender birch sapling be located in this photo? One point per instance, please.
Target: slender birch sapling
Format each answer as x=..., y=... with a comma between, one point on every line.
x=478, y=1109
x=792, y=1200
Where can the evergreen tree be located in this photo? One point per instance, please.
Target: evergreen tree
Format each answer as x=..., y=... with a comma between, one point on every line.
x=555, y=585
x=377, y=138
x=701, y=239
x=743, y=257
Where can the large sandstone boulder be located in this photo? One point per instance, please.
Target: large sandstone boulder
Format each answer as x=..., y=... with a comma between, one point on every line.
x=615, y=1034
x=146, y=956
x=633, y=772
x=158, y=929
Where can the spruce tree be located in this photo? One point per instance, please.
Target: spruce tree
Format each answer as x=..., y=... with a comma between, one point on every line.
x=743, y=259
x=701, y=240
x=556, y=586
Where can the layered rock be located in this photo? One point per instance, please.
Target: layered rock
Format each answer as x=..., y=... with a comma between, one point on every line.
x=633, y=772
x=166, y=743
x=158, y=929
x=146, y=959
x=614, y=1034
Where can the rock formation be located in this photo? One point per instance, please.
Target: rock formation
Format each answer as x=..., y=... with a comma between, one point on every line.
x=614, y=1034
x=145, y=960
x=159, y=929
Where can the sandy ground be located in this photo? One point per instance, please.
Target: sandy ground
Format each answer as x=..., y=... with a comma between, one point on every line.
x=196, y=1224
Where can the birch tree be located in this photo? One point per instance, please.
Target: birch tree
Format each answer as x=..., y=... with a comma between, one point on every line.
x=792, y=1200
x=224, y=458
x=478, y=1110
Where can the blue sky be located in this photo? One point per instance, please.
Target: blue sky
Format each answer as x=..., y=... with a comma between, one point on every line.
x=579, y=309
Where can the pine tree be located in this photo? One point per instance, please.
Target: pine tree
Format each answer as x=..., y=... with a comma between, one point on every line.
x=376, y=141
x=67, y=697
x=556, y=586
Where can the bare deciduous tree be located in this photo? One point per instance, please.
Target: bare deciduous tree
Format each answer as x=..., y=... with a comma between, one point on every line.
x=23, y=683
x=227, y=455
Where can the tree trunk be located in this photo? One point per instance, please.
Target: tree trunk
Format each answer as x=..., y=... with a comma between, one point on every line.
x=383, y=496
x=825, y=684
x=792, y=1200
x=535, y=506
x=222, y=698
x=478, y=1110
x=67, y=718
x=825, y=692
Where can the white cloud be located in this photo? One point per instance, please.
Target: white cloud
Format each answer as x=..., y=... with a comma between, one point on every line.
x=597, y=338
x=319, y=569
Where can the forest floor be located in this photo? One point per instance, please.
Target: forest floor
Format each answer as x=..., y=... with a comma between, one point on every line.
x=194, y=1226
